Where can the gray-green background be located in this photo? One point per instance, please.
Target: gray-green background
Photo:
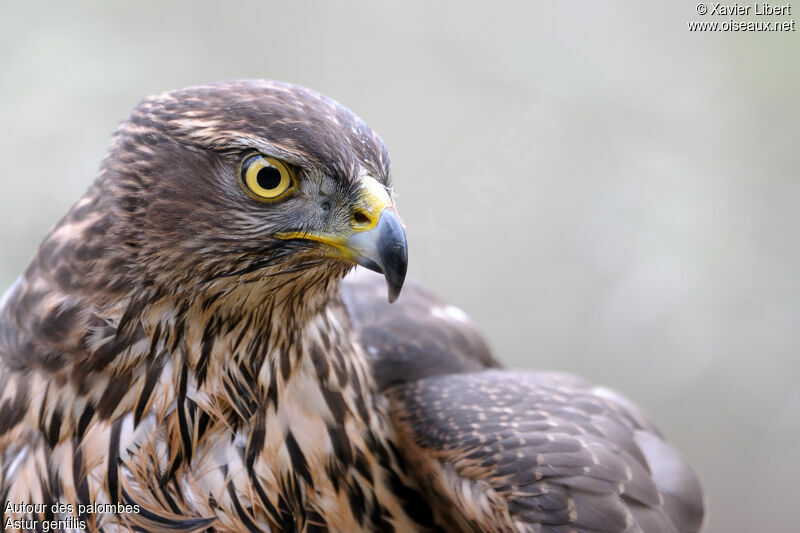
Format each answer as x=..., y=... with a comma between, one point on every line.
x=602, y=190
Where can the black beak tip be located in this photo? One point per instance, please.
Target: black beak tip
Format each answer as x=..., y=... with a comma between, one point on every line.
x=393, y=257
x=395, y=277
x=394, y=293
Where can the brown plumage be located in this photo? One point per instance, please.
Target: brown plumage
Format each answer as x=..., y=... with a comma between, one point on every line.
x=183, y=344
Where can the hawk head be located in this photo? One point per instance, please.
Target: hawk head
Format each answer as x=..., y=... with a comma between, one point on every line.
x=235, y=188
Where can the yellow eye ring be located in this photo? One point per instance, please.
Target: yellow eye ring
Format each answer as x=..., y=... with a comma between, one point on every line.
x=265, y=178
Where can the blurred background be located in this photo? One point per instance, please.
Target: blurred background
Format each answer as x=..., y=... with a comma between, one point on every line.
x=601, y=189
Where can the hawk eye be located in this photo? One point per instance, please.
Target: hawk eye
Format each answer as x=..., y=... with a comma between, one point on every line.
x=265, y=178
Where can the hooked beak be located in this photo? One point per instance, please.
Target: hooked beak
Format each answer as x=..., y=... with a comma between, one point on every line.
x=376, y=239
x=383, y=249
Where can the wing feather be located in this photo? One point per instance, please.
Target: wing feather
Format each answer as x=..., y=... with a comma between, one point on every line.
x=514, y=451
x=553, y=451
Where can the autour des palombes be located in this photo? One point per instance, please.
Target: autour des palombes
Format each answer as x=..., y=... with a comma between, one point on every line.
x=65, y=508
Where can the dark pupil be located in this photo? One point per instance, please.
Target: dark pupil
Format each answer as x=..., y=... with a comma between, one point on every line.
x=268, y=178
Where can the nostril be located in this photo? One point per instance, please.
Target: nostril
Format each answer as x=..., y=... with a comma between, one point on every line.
x=360, y=218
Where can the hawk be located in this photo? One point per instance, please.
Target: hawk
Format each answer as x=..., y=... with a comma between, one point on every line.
x=186, y=353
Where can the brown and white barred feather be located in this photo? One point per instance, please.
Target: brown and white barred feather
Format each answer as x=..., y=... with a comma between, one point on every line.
x=316, y=455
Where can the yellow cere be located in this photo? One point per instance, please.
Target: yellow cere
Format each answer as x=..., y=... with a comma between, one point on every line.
x=374, y=198
x=266, y=178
